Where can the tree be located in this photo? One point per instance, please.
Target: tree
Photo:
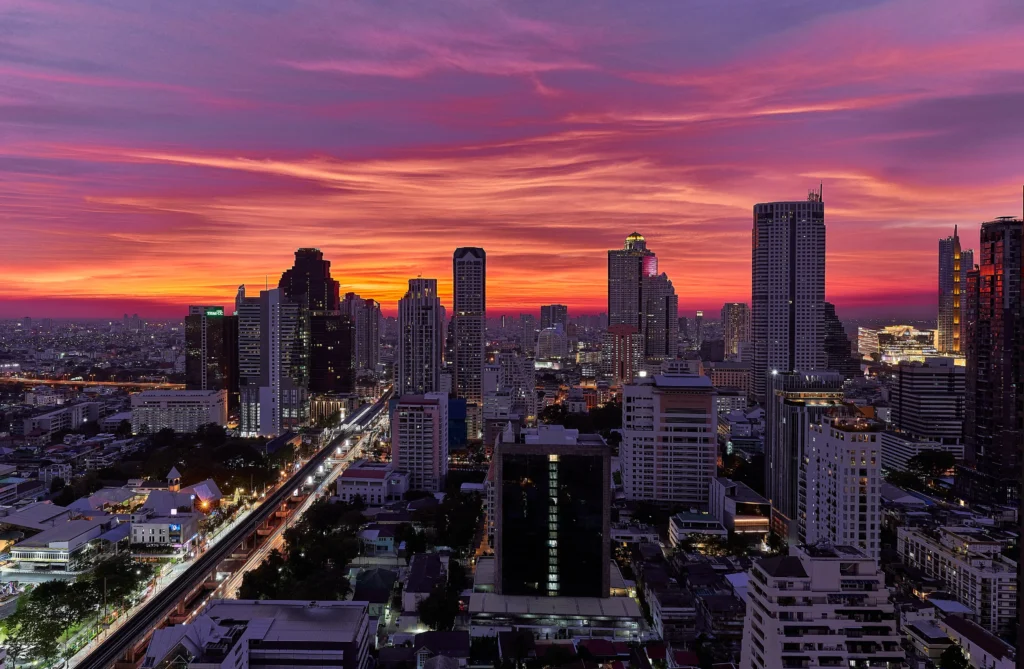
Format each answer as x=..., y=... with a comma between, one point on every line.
x=57, y=484
x=212, y=435
x=124, y=430
x=19, y=636
x=953, y=658
x=931, y=464
x=439, y=609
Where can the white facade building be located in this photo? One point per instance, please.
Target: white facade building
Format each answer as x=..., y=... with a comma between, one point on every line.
x=374, y=482
x=669, y=448
x=175, y=530
x=820, y=606
x=840, y=484
x=787, y=315
x=421, y=334
x=419, y=440
x=178, y=410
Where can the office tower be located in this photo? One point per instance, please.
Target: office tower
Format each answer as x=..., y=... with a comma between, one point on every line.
x=553, y=501
x=684, y=328
x=954, y=263
x=698, y=329
x=993, y=431
x=365, y=316
x=927, y=401
x=421, y=333
x=271, y=634
x=518, y=376
x=308, y=282
x=419, y=440
x=788, y=289
x=838, y=354
x=669, y=449
x=841, y=478
x=528, y=328
x=273, y=363
x=554, y=314
x=661, y=318
x=184, y=411
x=469, y=274
x=331, y=352
x=211, y=351
x=835, y=595
x=735, y=326
x=552, y=344
x=622, y=354
x=627, y=269
x=795, y=400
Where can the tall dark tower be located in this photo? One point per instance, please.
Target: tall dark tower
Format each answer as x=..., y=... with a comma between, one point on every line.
x=994, y=421
x=469, y=332
x=309, y=282
x=211, y=351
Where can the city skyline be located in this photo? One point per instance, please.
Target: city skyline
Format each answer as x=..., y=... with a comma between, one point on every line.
x=203, y=162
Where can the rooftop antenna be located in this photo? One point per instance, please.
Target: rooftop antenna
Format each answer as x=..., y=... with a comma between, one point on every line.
x=821, y=190
x=266, y=282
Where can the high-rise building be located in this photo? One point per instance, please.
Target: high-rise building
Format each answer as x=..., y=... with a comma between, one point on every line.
x=788, y=289
x=273, y=363
x=365, y=316
x=553, y=501
x=419, y=440
x=552, y=344
x=211, y=351
x=622, y=354
x=331, y=352
x=840, y=484
x=518, y=376
x=528, y=331
x=308, y=282
x=833, y=594
x=627, y=269
x=795, y=400
x=927, y=401
x=421, y=332
x=554, y=314
x=838, y=354
x=735, y=326
x=698, y=329
x=669, y=449
x=469, y=337
x=661, y=318
x=994, y=418
x=954, y=263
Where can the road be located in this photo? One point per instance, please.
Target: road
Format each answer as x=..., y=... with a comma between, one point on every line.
x=159, y=606
x=119, y=384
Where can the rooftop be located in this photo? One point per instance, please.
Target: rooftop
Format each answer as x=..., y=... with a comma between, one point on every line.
x=481, y=603
x=978, y=636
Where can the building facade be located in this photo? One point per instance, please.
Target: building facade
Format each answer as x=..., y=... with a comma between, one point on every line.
x=554, y=314
x=994, y=417
x=627, y=269
x=469, y=274
x=795, y=400
x=927, y=401
x=183, y=411
x=787, y=289
x=954, y=263
x=211, y=350
x=622, y=353
x=365, y=317
x=735, y=326
x=669, y=449
x=660, y=318
x=419, y=440
x=820, y=606
x=421, y=334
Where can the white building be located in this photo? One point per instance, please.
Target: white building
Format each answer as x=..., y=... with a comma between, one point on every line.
x=274, y=634
x=178, y=410
x=740, y=509
x=70, y=417
x=61, y=549
x=669, y=446
x=787, y=313
x=983, y=649
x=421, y=335
x=419, y=440
x=819, y=606
x=927, y=400
x=174, y=530
x=970, y=564
x=374, y=482
x=840, y=489
x=684, y=524
x=898, y=448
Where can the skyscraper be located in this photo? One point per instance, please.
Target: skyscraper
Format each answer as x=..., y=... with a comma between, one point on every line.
x=838, y=353
x=421, y=334
x=795, y=400
x=698, y=328
x=994, y=426
x=954, y=263
x=661, y=318
x=308, y=282
x=365, y=316
x=927, y=401
x=419, y=440
x=469, y=311
x=211, y=351
x=788, y=289
x=553, y=501
x=554, y=314
x=735, y=326
x=627, y=268
x=273, y=363
x=622, y=354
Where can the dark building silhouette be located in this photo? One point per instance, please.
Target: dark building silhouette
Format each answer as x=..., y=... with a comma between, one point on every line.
x=552, y=527
x=553, y=314
x=712, y=350
x=309, y=282
x=838, y=352
x=211, y=351
x=993, y=430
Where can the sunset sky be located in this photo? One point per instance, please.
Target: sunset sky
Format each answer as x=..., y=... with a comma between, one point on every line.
x=159, y=153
